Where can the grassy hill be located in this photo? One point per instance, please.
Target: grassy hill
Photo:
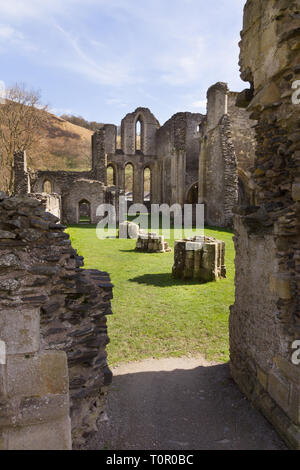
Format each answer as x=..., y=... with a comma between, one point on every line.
x=62, y=146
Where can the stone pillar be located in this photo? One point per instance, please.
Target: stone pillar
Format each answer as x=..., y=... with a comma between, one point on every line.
x=138, y=185
x=264, y=320
x=202, y=170
x=173, y=179
x=21, y=177
x=121, y=177
x=99, y=159
x=181, y=172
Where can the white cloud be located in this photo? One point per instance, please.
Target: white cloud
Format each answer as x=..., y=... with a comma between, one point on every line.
x=114, y=72
x=7, y=32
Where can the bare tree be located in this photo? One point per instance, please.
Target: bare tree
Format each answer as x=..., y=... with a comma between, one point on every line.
x=22, y=117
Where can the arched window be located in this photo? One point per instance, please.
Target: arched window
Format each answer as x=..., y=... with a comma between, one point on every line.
x=84, y=212
x=198, y=128
x=139, y=127
x=147, y=184
x=47, y=187
x=192, y=195
x=129, y=182
x=111, y=175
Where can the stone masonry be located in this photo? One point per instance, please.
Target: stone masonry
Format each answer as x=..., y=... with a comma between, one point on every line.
x=265, y=319
x=152, y=243
x=53, y=324
x=199, y=258
x=227, y=149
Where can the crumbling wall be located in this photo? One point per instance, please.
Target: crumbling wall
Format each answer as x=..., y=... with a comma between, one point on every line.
x=227, y=147
x=148, y=132
x=178, y=154
x=82, y=189
x=264, y=320
x=51, y=202
x=243, y=140
x=53, y=322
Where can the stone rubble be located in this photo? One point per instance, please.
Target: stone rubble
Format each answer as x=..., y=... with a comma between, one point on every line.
x=152, y=243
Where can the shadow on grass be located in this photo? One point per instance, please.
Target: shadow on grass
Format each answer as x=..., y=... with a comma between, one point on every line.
x=85, y=226
x=133, y=250
x=162, y=280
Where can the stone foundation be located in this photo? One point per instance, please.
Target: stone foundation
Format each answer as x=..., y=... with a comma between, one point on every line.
x=199, y=258
x=53, y=326
x=152, y=243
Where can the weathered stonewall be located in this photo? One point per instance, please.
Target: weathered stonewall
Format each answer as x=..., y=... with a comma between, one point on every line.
x=265, y=318
x=53, y=323
x=200, y=258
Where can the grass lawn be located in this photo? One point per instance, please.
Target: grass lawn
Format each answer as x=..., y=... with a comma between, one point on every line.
x=154, y=314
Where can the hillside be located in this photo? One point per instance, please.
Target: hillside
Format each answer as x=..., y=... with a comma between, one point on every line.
x=62, y=146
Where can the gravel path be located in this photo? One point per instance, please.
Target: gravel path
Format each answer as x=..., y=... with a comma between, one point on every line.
x=180, y=403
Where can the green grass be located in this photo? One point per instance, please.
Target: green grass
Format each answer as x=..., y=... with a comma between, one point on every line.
x=154, y=314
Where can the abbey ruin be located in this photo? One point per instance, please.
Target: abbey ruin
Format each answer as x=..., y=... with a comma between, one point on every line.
x=241, y=160
x=219, y=178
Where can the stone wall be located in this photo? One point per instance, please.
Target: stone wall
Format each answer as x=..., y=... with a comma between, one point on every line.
x=51, y=202
x=82, y=189
x=227, y=148
x=264, y=320
x=178, y=154
x=67, y=188
x=53, y=322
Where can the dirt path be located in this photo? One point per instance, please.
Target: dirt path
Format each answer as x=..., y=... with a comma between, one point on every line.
x=181, y=403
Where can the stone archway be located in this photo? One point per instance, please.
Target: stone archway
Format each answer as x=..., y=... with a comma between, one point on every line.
x=47, y=187
x=111, y=175
x=84, y=212
x=192, y=194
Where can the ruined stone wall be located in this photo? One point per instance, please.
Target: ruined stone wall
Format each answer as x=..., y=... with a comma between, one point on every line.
x=21, y=176
x=59, y=180
x=178, y=152
x=227, y=147
x=53, y=322
x=243, y=140
x=68, y=188
x=264, y=320
x=51, y=202
x=82, y=189
x=148, y=132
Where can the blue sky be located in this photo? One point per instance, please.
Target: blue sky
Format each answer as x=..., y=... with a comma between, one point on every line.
x=101, y=59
